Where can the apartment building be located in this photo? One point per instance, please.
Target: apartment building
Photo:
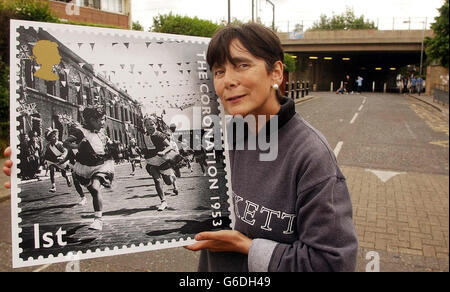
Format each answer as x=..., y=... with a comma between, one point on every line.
x=106, y=12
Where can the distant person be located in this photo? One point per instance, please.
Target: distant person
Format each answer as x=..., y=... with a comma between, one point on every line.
x=359, y=82
x=419, y=84
x=348, y=84
x=405, y=84
x=413, y=85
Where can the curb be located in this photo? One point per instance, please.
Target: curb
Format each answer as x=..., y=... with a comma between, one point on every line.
x=300, y=100
x=430, y=104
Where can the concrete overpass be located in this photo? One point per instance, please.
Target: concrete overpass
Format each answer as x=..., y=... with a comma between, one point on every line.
x=327, y=56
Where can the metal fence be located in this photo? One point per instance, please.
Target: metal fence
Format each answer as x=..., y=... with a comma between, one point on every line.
x=381, y=23
x=440, y=94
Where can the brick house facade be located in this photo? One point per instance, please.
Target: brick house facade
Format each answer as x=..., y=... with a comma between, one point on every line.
x=106, y=12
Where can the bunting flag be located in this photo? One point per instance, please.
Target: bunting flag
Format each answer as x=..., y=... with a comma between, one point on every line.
x=179, y=64
x=78, y=88
x=122, y=66
x=132, y=68
x=82, y=64
x=148, y=44
x=156, y=73
x=92, y=45
x=160, y=43
x=151, y=65
x=140, y=72
x=164, y=72
x=114, y=44
x=98, y=88
x=160, y=65
x=181, y=71
x=79, y=45
x=63, y=83
x=127, y=45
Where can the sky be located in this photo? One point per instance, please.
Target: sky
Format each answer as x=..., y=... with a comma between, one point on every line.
x=290, y=12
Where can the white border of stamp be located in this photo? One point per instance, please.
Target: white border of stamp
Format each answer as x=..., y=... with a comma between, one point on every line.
x=15, y=189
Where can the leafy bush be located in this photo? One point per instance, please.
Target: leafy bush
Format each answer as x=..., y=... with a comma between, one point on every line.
x=344, y=21
x=183, y=25
x=437, y=48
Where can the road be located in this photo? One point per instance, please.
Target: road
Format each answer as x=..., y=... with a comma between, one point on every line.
x=392, y=149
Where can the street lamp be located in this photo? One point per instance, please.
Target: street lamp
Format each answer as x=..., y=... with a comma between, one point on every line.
x=423, y=37
x=273, y=19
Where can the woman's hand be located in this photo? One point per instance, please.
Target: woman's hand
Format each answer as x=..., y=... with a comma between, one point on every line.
x=224, y=240
x=7, y=167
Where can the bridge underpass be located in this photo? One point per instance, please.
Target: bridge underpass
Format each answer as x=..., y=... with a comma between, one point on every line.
x=328, y=56
x=320, y=69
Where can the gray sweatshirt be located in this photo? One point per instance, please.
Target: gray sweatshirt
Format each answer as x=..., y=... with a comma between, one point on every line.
x=296, y=209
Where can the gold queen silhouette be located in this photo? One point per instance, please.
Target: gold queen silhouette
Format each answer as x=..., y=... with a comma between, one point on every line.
x=47, y=55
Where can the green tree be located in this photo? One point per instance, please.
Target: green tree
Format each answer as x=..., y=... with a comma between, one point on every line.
x=345, y=21
x=183, y=25
x=437, y=47
x=290, y=63
x=137, y=26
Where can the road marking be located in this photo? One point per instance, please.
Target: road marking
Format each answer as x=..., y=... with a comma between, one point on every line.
x=354, y=118
x=410, y=131
x=384, y=176
x=360, y=108
x=440, y=143
x=338, y=148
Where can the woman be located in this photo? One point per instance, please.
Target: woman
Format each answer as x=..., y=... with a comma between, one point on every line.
x=293, y=213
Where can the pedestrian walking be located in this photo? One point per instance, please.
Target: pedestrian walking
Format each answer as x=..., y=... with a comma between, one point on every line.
x=359, y=82
x=419, y=84
x=94, y=166
x=413, y=84
x=56, y=157
x=293, y=213
x=348, y=84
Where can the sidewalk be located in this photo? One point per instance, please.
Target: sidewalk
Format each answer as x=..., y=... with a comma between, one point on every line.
x=429, y=100
x=4, y=193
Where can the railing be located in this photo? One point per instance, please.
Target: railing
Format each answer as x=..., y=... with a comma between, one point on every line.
x=296, y=90
x=440, y=94
x=381, y=23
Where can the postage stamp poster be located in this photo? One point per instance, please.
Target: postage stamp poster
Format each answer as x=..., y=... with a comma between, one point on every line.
x=114, y=143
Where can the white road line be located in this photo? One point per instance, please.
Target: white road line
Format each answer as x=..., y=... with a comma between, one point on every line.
x=360, y=108
x=338, y=148
x=354, y=118
x=410, y=131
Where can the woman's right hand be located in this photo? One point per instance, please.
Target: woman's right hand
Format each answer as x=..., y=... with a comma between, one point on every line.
x=8, y=165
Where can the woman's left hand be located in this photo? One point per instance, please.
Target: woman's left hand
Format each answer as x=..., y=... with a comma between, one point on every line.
x=224, y=240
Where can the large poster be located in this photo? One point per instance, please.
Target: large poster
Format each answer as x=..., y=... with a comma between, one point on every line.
x=114, y=143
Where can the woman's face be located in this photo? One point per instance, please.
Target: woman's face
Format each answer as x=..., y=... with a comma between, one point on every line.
x=246, y=87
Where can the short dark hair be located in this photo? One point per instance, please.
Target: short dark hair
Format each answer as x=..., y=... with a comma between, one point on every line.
x=260, y=41
x=93, y=112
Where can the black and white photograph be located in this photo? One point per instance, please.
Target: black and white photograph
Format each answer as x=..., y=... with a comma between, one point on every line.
x=107, y=134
